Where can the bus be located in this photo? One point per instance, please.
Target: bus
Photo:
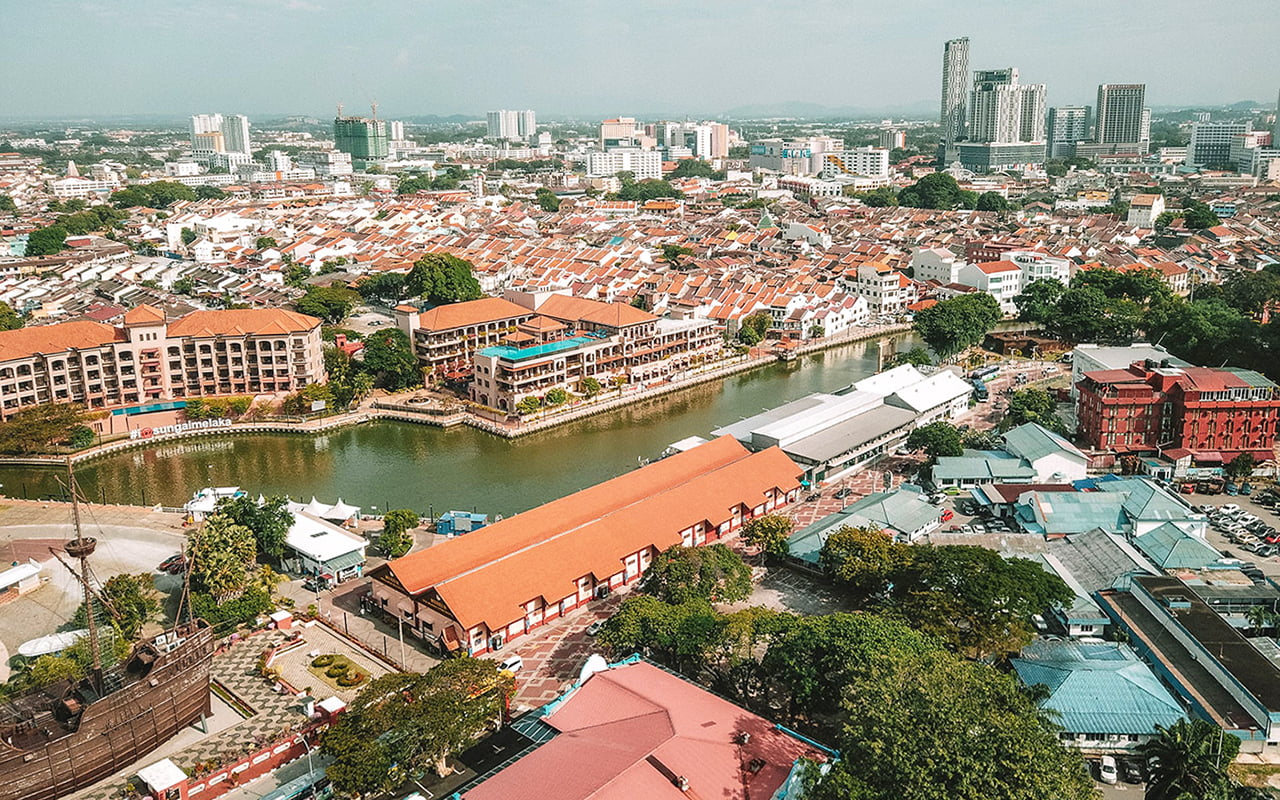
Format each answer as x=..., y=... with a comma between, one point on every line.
x=984, y=374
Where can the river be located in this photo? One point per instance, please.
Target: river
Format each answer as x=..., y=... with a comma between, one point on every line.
x=383, y=465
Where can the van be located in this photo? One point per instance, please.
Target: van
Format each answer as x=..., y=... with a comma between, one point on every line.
x=1107, y=770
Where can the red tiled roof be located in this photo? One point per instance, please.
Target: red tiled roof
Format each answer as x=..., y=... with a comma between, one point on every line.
x=56, y=338
x=992, y=267
x=578, y=308
x=632, y=731
x=472, y=312
x=242, y=321
x=144, y=315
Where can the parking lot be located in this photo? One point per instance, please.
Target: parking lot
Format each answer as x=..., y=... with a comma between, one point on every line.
x=1230, y=532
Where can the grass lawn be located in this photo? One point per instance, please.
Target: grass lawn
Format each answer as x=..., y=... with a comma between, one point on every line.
x=328, y=663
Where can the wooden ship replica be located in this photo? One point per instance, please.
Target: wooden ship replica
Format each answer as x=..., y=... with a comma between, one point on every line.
x=64, y=737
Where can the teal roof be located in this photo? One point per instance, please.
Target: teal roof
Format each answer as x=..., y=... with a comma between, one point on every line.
x=987, y=466
x=1145, y=500
x=1098, y=688
x=1172, y=548
x=1033, y=442
x=1074, y=512
x=904, y=510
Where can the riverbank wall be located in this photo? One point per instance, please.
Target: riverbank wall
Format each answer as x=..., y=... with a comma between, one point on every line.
x=399, y=411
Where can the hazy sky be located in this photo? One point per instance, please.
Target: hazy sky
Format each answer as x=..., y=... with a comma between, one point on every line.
x=97, y=57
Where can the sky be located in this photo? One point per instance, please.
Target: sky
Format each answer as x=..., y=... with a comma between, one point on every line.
x=594, y=58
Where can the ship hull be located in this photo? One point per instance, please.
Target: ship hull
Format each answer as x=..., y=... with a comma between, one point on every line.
x=116, y=730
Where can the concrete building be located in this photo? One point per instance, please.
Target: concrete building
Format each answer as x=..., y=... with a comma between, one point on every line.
x=1093, y=357
x=1066, y=126
x=1210, y=142
x=149, y=362
x=1003, y=110
x=620, y=132
x=893, y=139
x=511, y=125
x=363, y=138
x=644, y=164
x=1151, y=406
x=1119, y=112
x=235, y=134
x=870, y=162
x=793, y=156
x=955, y=91
x=936, y=264
x=1000, y=279
x=887, y=291
x=1144, y=208
x=571, y=339
x=476, y=593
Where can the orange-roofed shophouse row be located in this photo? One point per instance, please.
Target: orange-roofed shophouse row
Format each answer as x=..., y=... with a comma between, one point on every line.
x=144, y=367
x=478, y=592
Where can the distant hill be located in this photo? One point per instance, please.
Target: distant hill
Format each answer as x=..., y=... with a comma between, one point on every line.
x=818, y=111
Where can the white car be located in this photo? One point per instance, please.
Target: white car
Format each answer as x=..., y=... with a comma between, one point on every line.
x=512, y=664
x=1107, y=770
x=1230, y=508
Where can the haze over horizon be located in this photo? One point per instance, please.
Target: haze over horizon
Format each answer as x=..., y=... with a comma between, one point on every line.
x=417, y=57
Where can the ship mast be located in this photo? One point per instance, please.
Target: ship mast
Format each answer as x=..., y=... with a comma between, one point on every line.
x=81, y=548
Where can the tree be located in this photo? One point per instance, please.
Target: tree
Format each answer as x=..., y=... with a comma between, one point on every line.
x=528, y=405
x=1197, y=215
x=1251, y=292
x=221, y=555
x=133, y=597
x=876, y=198
x=754, y=326
x=971, y=598
x=189, y=236
x=916, y=356
x=301, y=402
x=935, y=190
x=404, y=724
x=673, y=253
x=711, y=572
x=927, y=725
x=590, y=386
x=46, y=241
x=388, y=288
x=950, y=326
x=397, y=535
x=1039, y=300
x=443, y=278
x=646, y=190
x=547, y=199
x=209, y=193
x=7, y=205
x=264, y=243
x=695, y=168
x=771, y=533
x=1241, y=466
x=269, y=521
x=990, y=201
x=936, y=439
x=682, y=634
x=10, y=320
x=863, y=560
x=1033, y=405
x=35, y=429
x=330, y=303
x=48, y=670
x=1189, y=759
x=1163, y=220
x=389, y=357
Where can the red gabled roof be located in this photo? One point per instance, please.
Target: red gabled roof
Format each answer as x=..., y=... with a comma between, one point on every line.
x=992, y=267
x=472, y=312
x=242, y=322
x=25, y=342
x=634, y=731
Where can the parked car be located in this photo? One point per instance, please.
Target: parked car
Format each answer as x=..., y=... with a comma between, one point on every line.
x=948, y=515
x=512, y=664
x=1107, y=770
x=173, y=565
x=843, y=493
x=1232, y=489
x=595, y=627
x=1229, y=508
x=1132, y=771
x=1246, y=489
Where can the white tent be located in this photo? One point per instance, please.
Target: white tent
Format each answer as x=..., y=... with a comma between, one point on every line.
x=341, y=512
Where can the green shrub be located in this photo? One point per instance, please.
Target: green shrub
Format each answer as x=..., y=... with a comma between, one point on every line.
x=352, y=678
x=323, y=661
x=337, y=670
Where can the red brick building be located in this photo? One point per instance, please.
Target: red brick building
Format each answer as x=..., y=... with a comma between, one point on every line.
x=1214, y=413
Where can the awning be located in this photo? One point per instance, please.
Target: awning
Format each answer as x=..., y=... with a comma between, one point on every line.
x=344, y=561
x=1209, y=456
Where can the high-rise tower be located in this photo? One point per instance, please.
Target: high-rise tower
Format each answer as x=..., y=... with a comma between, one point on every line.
x=1119, y=113
x=955, y=89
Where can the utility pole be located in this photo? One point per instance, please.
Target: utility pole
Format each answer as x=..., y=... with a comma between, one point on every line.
x=400, y=629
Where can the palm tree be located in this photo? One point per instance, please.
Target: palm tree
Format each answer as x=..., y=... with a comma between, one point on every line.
x=1189, y=760
x=1258, y=617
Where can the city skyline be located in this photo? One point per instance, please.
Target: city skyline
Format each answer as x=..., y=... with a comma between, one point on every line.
x=303, y=56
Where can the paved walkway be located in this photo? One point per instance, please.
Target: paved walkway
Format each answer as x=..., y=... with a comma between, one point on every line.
x=236, y=670
x=15, y=512
x=294, y=666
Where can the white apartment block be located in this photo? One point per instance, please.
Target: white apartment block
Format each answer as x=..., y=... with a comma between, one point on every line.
x=804, y=186
x=887, y=291
x=1210, y=142
x=872, y=162
x=936, y=264
x=1039, y=266
x=1000, y=279
x=644, y=164
x=82, y=188
x=1144, y=209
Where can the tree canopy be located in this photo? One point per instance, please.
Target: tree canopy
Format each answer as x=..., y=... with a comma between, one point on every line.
x=770, y=532
x=160, y=194
x=9, y=319
x=330, y=303
x=443, y=278
x=46, y=241
x=1032, y=405
x=950, y=326
x=133, y=597
x=939, y=438
x=389, y=358
x=1189, y=760
x=935, y=190
x=221, y=554
x=711, y=572
x=403, y=725
x=36, y=429
x=269, y=522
